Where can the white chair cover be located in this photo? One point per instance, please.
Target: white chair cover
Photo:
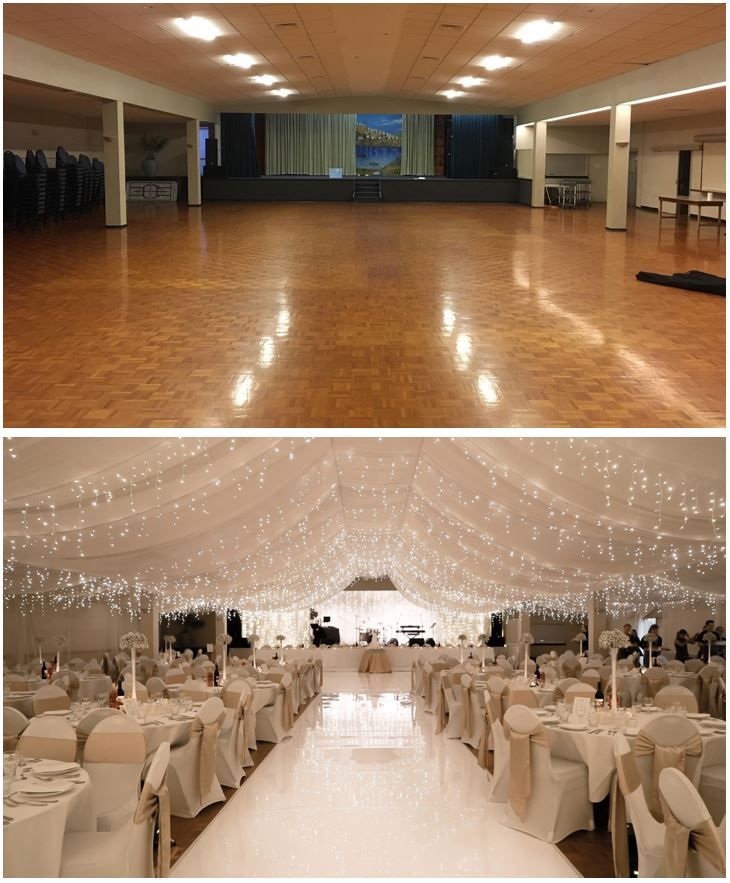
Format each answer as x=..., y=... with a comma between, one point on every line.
x=156, y=687
x=669, y=696
x=693, y=846
x=175, y=676
x=576, y=690
x=50, y=698
x=114, y=757
x=232, y=742
x=14, y=722
x=127, y=852
x=191, y=775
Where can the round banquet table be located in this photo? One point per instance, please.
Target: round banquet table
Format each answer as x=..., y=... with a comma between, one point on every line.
x=33, y=840
x=375, y=662
x=595, y=750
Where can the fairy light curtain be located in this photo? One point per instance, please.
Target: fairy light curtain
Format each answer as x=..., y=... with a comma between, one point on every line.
x=461, y=526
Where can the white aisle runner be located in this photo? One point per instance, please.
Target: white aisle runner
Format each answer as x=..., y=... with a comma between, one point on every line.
x=364, y=789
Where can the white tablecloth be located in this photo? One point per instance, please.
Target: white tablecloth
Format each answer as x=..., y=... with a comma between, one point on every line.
x=596, y=752
x=348, y=658
x=33, y=841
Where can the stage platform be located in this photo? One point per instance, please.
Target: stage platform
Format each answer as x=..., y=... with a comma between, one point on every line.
x=348, y=658
x=322, y=189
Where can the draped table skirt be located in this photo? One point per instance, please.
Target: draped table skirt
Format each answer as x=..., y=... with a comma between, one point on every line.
x=375, y=662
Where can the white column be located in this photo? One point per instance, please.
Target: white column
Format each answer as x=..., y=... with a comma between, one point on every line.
x=619, y=138
x=539, y=146
x=192, y=133
x=115, y=194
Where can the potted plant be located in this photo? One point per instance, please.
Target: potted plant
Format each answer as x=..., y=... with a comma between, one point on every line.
x=152, y=145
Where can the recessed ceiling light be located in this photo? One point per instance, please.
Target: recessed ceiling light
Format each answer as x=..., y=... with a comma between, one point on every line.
x=535, y=31
x=240, y=60
x=282, y=93
x=451, y=93
x=495, y=62
x=198, y=27
x=265, y=79
x=470, y=81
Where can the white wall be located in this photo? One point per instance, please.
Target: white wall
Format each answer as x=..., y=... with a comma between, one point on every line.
x=75, y=134
x=657, y=174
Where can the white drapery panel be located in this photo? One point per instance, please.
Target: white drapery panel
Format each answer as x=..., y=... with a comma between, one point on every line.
x=267, y=525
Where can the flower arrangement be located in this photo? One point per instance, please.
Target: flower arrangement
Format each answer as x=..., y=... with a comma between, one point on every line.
x=482, y=638
x=579, y=639
x=613, y=639
x=170, y=639
x=461, y=639
x=134, y=641
x=224, y=639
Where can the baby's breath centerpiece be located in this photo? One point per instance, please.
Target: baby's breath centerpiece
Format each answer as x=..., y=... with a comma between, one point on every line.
x=223, y=641
x=613, y=640
x=134, y=641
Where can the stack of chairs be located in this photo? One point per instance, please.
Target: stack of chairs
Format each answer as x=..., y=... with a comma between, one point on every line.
x=33, y=191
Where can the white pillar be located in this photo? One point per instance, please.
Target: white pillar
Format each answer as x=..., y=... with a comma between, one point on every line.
x=115, y=193
x=619, y=139
x=539, y=147
x=192, y=133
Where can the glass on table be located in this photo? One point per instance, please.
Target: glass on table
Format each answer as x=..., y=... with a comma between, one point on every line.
x=10, y=769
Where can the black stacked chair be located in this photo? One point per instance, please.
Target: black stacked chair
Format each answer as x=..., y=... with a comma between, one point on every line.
x=28, y=194
x=74, y=180
x=87, y=182
x=98, y=167
x=55, y=187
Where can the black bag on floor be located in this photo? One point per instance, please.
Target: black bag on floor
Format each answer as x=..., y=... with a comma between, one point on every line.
x=693, y=280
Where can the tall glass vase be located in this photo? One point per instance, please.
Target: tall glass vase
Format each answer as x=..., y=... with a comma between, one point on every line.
x=527, y=656
x=134, y=673
x=614, y=684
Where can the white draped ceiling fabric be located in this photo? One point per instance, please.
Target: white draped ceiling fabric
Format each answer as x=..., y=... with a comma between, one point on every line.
x=460, y=525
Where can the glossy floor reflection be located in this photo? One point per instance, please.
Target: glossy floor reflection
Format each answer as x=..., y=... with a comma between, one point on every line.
x=364, y=789
x=339, y=315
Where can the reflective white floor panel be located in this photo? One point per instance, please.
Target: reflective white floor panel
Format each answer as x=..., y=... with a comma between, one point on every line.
x=365, y=789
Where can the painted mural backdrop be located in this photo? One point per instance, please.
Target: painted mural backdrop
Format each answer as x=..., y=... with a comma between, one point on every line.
x=378, y=143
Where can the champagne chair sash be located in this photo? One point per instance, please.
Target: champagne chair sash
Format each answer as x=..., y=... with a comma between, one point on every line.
x=288, y=706
x=440, y=710
x=232, y=701
x=52, y=703
x=466, y=688
x=47, y=747
x=155, y=806
x=520, y=767
x=492, y=714
x=679, y=840
x=652, y=685
x=208, y=747
x=10, y=743
x=626, y=781
x=664, y=756
x=710, y=690
x=248, y=723
x=115, y=748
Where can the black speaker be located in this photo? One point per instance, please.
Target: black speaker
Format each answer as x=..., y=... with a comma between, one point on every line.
x=211, y=151
x=496, y=639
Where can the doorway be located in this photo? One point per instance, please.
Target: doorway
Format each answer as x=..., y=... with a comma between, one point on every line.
x=684, y=167
x=633, y=176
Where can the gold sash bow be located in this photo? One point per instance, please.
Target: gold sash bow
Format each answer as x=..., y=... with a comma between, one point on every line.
x=664, y=756
x=710, y=691
x=10, y=743
x=466, y=705
x=679, y=840
x=154, y=805
x=626, y=781
x=232, y=701
x=520, y=765
x=208, y=750
x=288, y=706
x=492, y=713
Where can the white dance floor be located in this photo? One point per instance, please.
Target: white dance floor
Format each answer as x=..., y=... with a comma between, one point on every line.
x=363, y=788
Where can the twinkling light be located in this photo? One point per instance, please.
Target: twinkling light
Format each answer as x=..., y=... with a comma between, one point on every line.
x=270, y=527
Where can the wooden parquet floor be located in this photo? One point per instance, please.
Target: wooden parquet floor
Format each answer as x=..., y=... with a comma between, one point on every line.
x=340, y=315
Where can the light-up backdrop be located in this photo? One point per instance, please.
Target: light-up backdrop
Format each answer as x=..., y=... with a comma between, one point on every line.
x=273, y=526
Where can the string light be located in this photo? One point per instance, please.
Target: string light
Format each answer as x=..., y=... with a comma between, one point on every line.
x=270, y=527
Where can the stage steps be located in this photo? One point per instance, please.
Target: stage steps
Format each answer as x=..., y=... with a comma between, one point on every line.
x=367, y=190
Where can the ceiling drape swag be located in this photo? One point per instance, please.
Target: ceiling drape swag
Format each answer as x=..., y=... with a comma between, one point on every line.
x=310, y=143
x=417, y=139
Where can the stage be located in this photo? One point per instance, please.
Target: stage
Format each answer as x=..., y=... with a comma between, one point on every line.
x=308, y=188
x=349, y=658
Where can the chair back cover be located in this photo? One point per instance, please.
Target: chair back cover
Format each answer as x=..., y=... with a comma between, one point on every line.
x=669, y=696
x=592, y=677
x=14, y=722
x=50, y=698
x=87, y=724
x=155, y=686
x=667, y=741
x=694, y=665
x=175, y=676
x=114, y=757
x=206, y=727
x=69, y=681
x=51, y=738
x=710, y=677
x=562, y=686
x=576, y=690
x=689, y=827
x=520, y=694
x=653, y=680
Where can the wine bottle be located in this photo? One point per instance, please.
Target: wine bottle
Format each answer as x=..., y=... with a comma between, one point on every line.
x=120, y=687
x=216, y=677
x=44, y=671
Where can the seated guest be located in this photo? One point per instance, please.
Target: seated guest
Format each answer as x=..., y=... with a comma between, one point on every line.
x=651, y=643
x=681, y=645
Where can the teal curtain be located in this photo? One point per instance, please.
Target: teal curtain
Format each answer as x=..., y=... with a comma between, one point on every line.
x=310, y=143
x=417, y=150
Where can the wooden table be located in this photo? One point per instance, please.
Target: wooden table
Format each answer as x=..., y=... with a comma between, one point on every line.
x=693, y=201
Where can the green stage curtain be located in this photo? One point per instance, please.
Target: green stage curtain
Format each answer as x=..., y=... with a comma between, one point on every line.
x=310, y=143
x=417, y=150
